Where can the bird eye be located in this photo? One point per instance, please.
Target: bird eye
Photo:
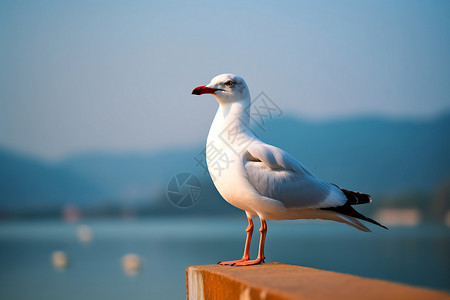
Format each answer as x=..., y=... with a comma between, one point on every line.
x=229, y=83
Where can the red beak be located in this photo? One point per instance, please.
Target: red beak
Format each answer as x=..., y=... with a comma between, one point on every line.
x=200, y=90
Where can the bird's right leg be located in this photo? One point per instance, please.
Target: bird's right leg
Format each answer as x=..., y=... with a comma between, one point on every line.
x=248, y=240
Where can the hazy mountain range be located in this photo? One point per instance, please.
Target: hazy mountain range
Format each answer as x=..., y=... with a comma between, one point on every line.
x=373, y=155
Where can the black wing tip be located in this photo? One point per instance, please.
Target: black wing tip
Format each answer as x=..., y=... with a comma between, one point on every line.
x=354, y=198
x=376, y=223
x=373, y=222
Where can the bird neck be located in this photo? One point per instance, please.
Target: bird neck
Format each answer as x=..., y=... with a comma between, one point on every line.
x=235, y=110
x=235, y=116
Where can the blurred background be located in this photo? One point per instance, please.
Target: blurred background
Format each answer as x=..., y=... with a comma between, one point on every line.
x=96, y=118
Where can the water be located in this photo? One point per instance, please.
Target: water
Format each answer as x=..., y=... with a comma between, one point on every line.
x=412, y=255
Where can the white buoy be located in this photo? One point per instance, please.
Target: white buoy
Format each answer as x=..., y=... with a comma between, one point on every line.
x=131, y=264
x=84, y=233
x=60, y=260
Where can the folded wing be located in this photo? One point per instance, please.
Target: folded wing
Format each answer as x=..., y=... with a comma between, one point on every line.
x=275, y=174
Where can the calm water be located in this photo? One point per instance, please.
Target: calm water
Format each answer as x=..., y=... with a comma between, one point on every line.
x=412, y=255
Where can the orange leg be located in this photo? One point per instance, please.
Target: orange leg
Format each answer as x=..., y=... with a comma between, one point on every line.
x=248, y=240
x=260, y=258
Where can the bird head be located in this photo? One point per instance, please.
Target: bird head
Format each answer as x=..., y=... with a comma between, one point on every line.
x=226, y=88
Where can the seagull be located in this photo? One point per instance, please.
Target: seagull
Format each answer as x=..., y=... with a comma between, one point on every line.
x=263, y=180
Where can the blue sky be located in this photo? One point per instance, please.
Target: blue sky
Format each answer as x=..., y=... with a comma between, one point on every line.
x=80, y=76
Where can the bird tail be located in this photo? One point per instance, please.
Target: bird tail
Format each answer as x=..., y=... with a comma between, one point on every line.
x=347, y=210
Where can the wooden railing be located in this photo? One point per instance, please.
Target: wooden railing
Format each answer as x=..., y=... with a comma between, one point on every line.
x=275, y=281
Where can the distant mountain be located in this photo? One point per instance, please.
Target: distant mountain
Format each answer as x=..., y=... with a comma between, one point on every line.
x=130, y=175
x=27, y=182
x=373, y=155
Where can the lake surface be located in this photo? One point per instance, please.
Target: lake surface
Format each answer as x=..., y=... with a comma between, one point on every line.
x=412, y=255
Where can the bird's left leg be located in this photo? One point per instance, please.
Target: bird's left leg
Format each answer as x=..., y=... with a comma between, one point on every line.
x=248, y=240
x=262, y=240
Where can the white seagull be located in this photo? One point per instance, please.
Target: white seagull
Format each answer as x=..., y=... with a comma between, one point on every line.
x=264, y=180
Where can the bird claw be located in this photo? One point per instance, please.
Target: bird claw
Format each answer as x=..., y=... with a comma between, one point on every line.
x=231, y=262
x=249, y=262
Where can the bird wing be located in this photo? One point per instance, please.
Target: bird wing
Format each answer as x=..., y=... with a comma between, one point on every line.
x=275, y=174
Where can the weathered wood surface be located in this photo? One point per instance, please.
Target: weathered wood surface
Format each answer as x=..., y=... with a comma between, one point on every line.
x=280, y=281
